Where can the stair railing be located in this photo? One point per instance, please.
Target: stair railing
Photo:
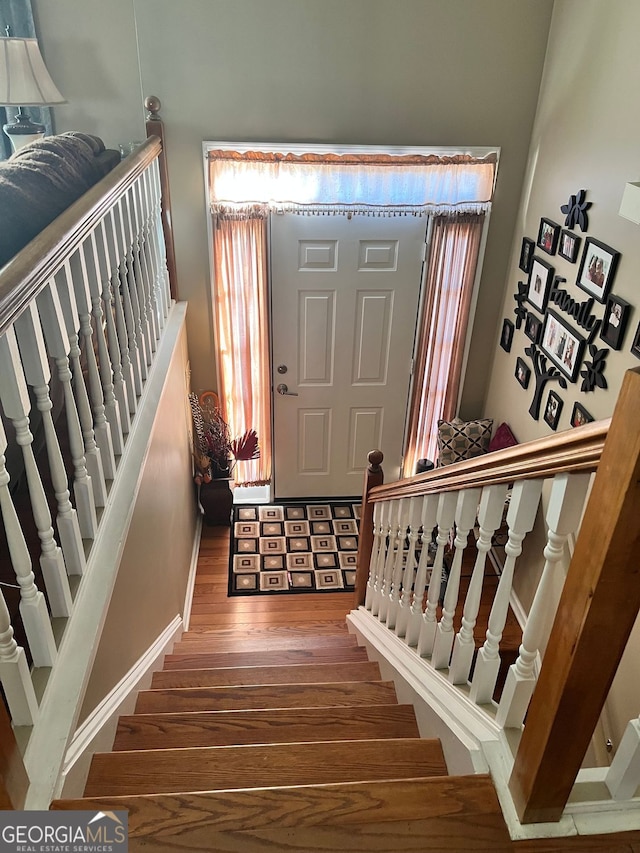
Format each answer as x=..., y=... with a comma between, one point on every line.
x=83, y=312
x=419, y=535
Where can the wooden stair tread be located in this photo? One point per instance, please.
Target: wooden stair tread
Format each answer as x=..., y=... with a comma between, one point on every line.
x=245, y=630
x=190, y=659
x=256, y=766
x=266, y=696
x=255, y=642
x=282, y=725
x=453, y=813
x=300, y=674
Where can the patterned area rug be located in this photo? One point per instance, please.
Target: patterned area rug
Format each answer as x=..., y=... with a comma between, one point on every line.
x=293, y=548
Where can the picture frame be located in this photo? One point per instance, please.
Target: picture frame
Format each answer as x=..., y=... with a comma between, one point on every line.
x=597, y=269
x=614, y=322
x=568, y=245
x=552, y=410
x=548, y=234
x=526, y=254
x=635, y=345
x=562, y=344
x=580, y=416
x=506, y=336
x=523, y=372
x=539, y=284
x=533, y=327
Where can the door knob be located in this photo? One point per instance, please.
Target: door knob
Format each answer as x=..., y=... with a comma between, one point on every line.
x=284, y=390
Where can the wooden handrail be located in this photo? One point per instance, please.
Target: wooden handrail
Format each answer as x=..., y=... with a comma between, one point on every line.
x=25, y=275
x=598, y=608
x=155, y=127
x=577, y=449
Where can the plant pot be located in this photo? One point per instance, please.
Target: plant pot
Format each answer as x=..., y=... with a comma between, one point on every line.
x=216, y=500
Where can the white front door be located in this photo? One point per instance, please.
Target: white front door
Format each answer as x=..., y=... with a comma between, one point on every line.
x=344, y=305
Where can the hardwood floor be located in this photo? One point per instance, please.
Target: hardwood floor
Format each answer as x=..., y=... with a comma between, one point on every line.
x=213, y=609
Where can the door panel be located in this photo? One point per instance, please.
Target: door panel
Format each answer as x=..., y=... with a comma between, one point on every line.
x=344, y=304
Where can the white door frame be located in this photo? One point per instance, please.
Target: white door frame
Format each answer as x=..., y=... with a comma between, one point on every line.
x=300, y=148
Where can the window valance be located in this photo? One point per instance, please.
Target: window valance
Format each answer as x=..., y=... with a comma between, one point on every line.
x=374, y=184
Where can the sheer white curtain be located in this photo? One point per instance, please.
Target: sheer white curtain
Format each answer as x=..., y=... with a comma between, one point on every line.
x=451, y=271
x=242, y=330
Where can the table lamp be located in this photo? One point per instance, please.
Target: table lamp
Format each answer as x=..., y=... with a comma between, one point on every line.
x=24, y=82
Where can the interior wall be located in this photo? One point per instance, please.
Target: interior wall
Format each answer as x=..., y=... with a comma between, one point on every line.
x=585, y=136
x=157, y=554
x=419, y=72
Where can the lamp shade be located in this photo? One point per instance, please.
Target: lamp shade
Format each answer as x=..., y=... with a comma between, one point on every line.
x=24, y=79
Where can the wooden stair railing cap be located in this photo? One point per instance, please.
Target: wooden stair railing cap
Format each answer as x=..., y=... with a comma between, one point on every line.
x=576, y=449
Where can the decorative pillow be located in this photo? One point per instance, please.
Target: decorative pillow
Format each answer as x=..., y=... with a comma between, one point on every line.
x=503, y=438
x=458, y=439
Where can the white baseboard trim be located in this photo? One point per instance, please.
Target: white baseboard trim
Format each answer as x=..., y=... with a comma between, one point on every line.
x=106, y=714
x=191, y=582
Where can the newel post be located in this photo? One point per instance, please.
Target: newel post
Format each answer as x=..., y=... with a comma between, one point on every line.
x=598, y=608
x=155, y=127
x=373, y=477
x=13, y=776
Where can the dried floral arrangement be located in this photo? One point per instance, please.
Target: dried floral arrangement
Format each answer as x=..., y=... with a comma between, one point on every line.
x=215, y=453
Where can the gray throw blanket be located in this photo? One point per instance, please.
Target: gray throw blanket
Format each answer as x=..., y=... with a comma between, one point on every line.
x=42, y=179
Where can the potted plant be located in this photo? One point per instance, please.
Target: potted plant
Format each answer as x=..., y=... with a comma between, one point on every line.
x=215, y=453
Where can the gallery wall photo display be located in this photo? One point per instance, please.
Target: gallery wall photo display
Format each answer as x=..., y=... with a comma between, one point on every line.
x=526, y=254
x=539, y=285
x=533, y=327
x=548, y=235
x=597, y=269
x=635, y=346
x=552, y=410
x=568, y=246
x=562, y=344
x=523, y=372
x=580, y=416
x=506, y=337
x=614, y=321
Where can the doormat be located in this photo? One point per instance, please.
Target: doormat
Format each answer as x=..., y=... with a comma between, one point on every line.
x=294, y=548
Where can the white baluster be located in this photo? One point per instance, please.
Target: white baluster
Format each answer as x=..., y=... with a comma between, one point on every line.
x=566, y=503
x=399, y=564
x=465, y=517
x=115, y=356
x=375, y=550
x=120, y=321
x=381, y=556
x=132, y=285
x=38, y=374
x=446, y=512
x=521, y=517
x=428, y=519
x=394, y=545
x=126, y=292
x=15, y=401
x=97, y=272
x=151, y=250
x=138, y=274
x=623, y=776
x=153, y=175
x=401, y=604
x=489, y=518
x=14, y=674
x=145, y=286
x=58, y=347
x=147, y=260
x=80, y=281
x=92, y=454
x=33, y=607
